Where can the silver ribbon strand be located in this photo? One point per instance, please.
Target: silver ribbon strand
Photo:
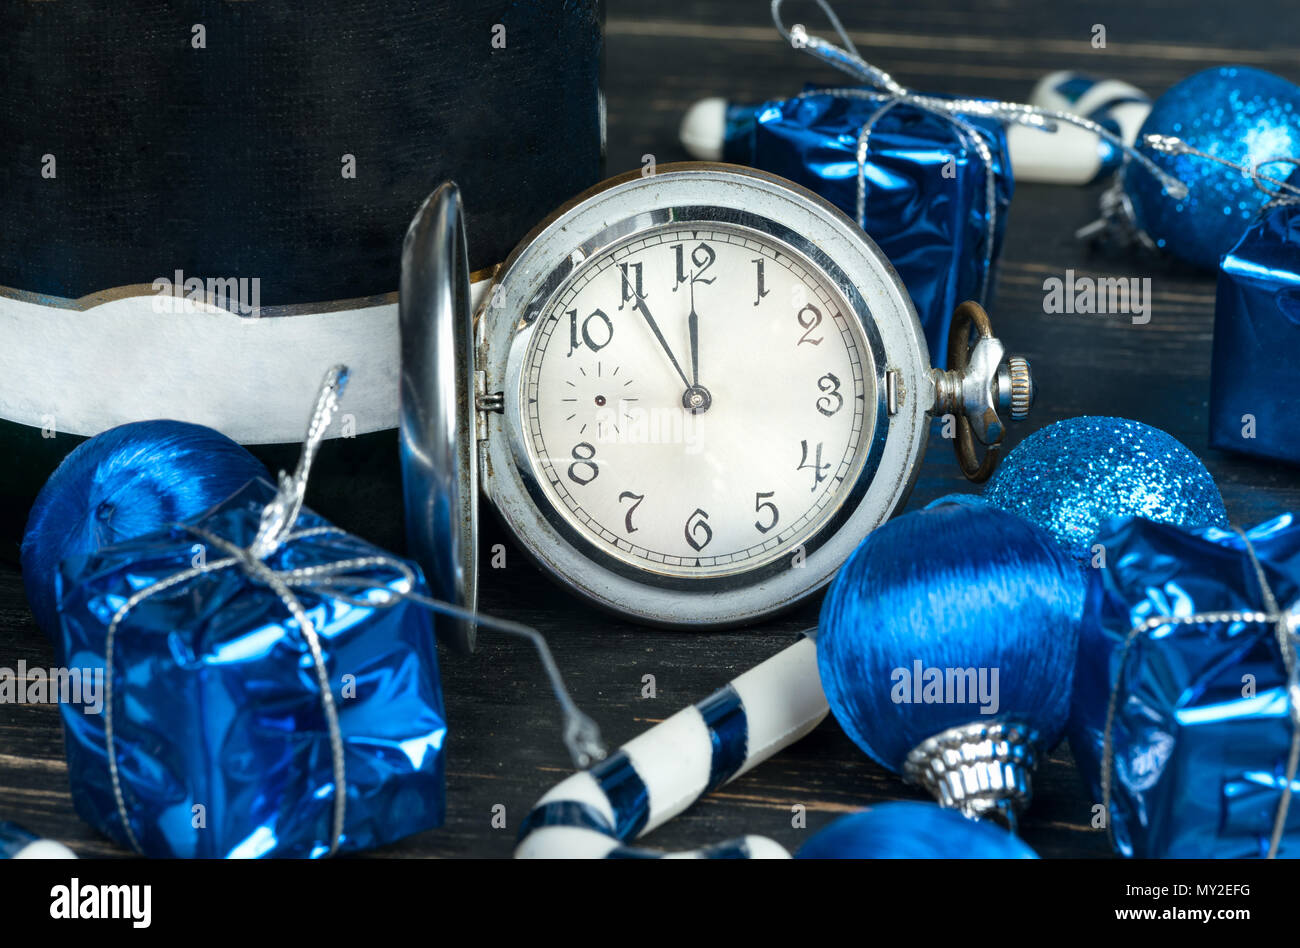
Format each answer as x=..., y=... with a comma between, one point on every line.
x=846, y=59
x=1119, y=218
x=1286, y=623
x=1280, y=192
x=343, y=580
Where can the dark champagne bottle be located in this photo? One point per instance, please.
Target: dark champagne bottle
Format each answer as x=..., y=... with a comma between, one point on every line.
x=203, y=205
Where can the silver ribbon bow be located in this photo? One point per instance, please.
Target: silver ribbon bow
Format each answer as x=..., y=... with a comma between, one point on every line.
x=847, y=60
x=342, y=580
x=1286, y=623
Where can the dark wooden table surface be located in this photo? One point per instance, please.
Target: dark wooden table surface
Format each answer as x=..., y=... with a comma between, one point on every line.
x=504, y=746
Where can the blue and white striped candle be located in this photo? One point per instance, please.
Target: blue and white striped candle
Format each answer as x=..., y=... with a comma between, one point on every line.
x=1073, y=155
x=657, y=775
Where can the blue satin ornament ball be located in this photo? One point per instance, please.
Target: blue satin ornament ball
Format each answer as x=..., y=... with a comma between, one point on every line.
x=952, y=587
x=1236, y=113
x=1072, y=476
x=913, y=830
x=124, y=483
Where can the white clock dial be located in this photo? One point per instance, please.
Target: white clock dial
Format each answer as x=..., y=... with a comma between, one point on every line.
x=697, y=400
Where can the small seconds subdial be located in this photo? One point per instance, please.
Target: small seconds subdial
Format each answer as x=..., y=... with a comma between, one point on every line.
x=602, y=401
x=696, y=402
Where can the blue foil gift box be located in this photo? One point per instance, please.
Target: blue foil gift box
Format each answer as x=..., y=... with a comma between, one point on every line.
x=1202, y=724
x=1255, y=372
x=926, y=197
x=224, y=743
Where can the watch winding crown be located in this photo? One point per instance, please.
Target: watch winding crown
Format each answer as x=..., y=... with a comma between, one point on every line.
x=980, y=381
x=1017, y=387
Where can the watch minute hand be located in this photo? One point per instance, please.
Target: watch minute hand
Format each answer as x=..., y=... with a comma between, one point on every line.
x=693, y=326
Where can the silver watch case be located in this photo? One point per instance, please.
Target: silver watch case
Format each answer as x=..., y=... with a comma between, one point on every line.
x=613, y=211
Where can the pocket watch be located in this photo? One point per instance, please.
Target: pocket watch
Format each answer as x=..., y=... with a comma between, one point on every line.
x=689, y=395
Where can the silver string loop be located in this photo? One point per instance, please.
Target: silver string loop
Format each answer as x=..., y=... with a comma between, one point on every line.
x=281, y=514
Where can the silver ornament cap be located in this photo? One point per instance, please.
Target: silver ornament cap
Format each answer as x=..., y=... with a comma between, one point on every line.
x=981, y=770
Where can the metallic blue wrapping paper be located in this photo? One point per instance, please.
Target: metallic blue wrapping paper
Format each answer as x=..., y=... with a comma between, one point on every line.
x=1199, y=759
x=1256, y=366
x=926, y=187
x=216, y=702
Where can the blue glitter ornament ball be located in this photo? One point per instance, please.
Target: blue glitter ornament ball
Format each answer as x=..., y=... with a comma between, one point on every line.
x=913, y=830
x=1073, y=475
x=123, y=483
x=1237, y=113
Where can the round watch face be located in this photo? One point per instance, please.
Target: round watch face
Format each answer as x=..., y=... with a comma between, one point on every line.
x=698, y=399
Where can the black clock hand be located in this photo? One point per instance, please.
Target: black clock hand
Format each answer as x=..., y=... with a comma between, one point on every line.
x=654, y=328
x=693, y=326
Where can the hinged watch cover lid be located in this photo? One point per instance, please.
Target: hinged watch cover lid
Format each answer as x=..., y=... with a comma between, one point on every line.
x=439, y=469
